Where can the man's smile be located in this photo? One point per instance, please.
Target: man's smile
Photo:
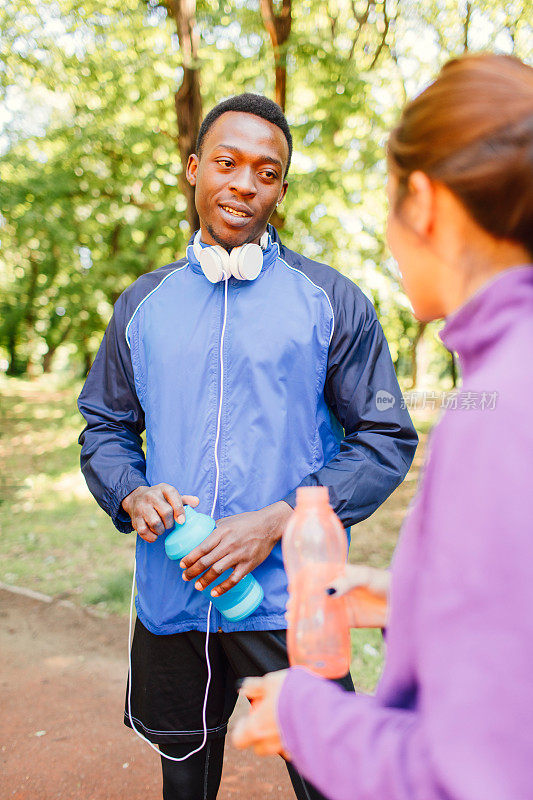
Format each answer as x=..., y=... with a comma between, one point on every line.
x=234, y=211
x=234, y=214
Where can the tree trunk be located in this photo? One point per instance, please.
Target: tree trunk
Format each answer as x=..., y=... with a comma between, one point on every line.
x=29, y=310
x=52, y=347
x=421, y=327
x=187, y=100
x=13, y=367
x=278, y=27
x=453, y=369
x=86, y=357
x=466, y=26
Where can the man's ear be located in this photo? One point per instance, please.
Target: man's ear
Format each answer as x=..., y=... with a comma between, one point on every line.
x=192, y=169
x=282, y=193
x=419, y=204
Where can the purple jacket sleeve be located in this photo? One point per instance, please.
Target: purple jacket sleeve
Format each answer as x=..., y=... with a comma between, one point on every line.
x=468, y=735
x=112, y=457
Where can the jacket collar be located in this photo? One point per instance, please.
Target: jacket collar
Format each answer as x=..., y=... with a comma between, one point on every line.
x=478, y=325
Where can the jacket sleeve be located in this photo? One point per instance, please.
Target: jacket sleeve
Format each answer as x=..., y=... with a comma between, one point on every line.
x=112, y=457
x=363, y=394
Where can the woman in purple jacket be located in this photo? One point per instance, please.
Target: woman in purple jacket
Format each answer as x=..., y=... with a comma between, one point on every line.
x=452, y=718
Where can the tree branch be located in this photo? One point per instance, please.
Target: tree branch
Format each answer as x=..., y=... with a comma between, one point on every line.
x=361, y=20
x=386, y=22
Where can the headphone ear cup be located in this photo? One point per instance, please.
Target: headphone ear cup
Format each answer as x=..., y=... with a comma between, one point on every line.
x=214, y=262
x=248, y=260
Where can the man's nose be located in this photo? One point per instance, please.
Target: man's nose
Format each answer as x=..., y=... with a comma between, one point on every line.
x=243, y=182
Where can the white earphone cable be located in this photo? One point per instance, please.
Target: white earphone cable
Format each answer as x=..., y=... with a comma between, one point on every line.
x=221, y=389
x=204, y=709
x=217, y=466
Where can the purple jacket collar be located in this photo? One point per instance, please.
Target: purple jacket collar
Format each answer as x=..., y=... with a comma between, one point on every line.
x=481, y=321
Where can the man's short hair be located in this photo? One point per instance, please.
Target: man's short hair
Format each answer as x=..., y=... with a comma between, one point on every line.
x=249, y=104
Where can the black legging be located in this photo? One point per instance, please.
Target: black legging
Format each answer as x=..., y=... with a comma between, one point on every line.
x=196, y=778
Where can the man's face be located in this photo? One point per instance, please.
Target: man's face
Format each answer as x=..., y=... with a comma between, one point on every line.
x=238, y=178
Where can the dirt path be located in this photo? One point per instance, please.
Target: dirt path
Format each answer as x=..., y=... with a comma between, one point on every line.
x=61, y=703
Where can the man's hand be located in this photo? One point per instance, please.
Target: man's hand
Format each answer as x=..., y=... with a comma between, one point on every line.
x=153, y=509
x=242, y=542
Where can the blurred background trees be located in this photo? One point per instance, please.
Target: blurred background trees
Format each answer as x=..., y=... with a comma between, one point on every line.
x=100, y=107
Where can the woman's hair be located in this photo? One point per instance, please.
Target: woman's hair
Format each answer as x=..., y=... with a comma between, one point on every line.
x=472, y=130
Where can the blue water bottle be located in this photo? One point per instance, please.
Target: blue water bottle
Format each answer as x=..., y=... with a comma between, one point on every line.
x=238, y=602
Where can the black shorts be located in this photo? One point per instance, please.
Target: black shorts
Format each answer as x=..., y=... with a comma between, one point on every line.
x=169, y=675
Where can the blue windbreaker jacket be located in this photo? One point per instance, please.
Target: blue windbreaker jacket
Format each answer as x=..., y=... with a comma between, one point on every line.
x=304, y=358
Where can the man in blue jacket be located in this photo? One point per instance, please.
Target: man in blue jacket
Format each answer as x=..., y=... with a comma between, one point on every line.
x=253, y=370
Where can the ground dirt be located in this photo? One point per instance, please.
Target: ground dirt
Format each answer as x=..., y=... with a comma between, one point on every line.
x=62, y=683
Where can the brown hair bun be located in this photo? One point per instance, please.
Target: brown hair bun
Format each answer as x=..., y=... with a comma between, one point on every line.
x=472, y=129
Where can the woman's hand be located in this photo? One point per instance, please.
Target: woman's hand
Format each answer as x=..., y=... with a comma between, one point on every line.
x=260, y=729
x=365, y=591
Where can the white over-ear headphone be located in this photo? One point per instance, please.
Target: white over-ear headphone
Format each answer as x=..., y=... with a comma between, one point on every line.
x=244, y=263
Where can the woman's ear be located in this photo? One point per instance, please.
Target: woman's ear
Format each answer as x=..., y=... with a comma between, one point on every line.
x=418, y=207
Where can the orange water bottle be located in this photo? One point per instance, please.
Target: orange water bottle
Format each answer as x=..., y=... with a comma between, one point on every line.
x=315, y=548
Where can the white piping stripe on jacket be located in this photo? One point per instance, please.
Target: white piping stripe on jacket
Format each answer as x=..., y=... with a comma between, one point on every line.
x=161, y=282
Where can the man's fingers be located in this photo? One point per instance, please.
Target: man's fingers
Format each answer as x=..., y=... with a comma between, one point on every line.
x=165, y=511
x=171, y=494
x=206, y=562
x=238, y=574
x=190, y=500
x=209, y=567
x=214, y=574
x=202, y=551
x=143, y=530
x=154, y=521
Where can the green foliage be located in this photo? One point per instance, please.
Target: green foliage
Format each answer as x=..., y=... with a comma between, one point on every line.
x=89, y=176
x=368, y=652
x=113, y=591
x=53, y=536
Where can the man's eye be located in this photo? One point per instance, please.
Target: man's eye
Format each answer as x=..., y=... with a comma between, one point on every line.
x=225, y=162
x=269, y=173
